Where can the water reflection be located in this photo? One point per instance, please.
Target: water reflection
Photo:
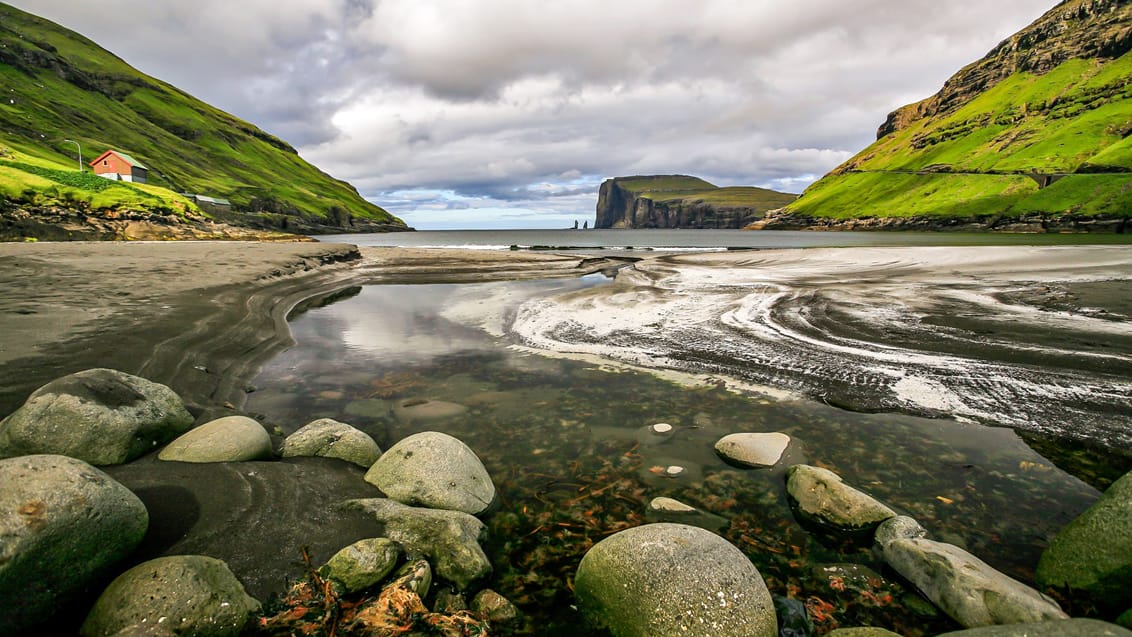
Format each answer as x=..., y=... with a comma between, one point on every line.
x=562, y=440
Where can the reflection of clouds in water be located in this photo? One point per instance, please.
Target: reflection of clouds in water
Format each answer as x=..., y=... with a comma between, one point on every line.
x=922, y=330
x=402, y=323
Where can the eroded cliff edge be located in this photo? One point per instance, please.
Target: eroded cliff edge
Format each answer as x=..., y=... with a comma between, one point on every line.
x=681, y=201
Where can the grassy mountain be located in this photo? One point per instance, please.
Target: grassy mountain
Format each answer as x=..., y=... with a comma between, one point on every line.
x=680, y=201
x=1052, y=103
x=56, y=85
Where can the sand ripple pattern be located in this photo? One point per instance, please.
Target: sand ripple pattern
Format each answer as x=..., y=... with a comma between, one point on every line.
x=1038, y=338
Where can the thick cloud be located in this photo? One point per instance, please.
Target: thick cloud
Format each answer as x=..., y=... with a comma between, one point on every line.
x=463, y=109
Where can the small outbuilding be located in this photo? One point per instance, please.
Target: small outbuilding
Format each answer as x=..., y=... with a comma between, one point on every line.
x=119, y=166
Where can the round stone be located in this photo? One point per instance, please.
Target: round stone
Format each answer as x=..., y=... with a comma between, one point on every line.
x=228, y=439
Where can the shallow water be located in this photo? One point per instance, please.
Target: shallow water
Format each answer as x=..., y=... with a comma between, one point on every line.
x=565, y=443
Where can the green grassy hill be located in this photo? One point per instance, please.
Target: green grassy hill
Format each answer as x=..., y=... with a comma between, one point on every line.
x=1054, y=101
x=680, y=201
x=57, y=85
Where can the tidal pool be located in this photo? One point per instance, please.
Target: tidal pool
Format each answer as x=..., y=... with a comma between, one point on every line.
x=565, y=441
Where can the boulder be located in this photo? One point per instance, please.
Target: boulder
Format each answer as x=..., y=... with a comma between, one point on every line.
x=362, y=564
x=1125, y=619
x=329, y=438
x=63, y=523
x=753, y=449
x=662, y=580
x=192, y=594
x=821, y=496
x=450, y=539
x=102, y=416
x=434, y=470
x=227, y=439
x=965, y=587
x=1093, y=553
x=420, y=410
x=1077, y=627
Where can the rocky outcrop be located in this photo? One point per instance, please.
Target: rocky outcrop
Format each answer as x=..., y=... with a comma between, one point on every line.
x=193, y=594
x=102, y=416
x=1080, y=29
x=686, y=205
x=664, y=580
x=63, y=523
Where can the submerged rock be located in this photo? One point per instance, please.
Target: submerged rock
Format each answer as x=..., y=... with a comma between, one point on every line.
x=450, y=539
x=897, y=528
x=753, y=449
x=426, y=410
x=793, y=620
x=862, y=631
x=1077, y=627
x=192, y=594
x=493, y=607
x=63, y=523
x=434, y=470
x=821, y=496
x=664, y=580
x=1093, y=553
x=362, y=564
x=227, y=439
x=664, y=509
x=101, y=416
x=965, y=587
x=329, y=438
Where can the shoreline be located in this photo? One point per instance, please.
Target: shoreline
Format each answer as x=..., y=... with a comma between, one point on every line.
x=199, y=317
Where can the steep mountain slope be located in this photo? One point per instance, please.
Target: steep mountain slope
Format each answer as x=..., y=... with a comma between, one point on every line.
x=56, y=85
x=679, y=201
x=1034, y=136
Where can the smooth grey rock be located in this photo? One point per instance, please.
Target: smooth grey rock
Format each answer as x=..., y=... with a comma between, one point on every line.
x=329, y=438
x=426, y=410
x=193, y=594
x=434, y=470
x=965, y=587
x=665, y=580
x=450, y=539
x=493, y=607
x=1077, y=627
x=63, y=523
x=753, y=449
x=821, y=496
x=101, y=416
x=362, y=564
x=227, y=439
x=896, y=528
x=1093, y=553
x=669, y=505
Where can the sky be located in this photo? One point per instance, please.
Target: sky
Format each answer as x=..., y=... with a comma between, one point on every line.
x=510, y=113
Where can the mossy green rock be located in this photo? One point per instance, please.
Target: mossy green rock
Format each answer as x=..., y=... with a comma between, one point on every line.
x=362, y=564
x=101, y=416
x=435, y=470
x=1093, y=553
x=63, y=523
x=668, y=580
x=228, y=439
x=193, y=594
x=329, y=438
x=822, y=497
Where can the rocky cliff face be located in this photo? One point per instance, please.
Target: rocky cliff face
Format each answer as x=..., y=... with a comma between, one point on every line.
x=678, y=201
x=1072, y=29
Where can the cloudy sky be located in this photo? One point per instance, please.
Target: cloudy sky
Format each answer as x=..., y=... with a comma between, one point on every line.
x=510, y=113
